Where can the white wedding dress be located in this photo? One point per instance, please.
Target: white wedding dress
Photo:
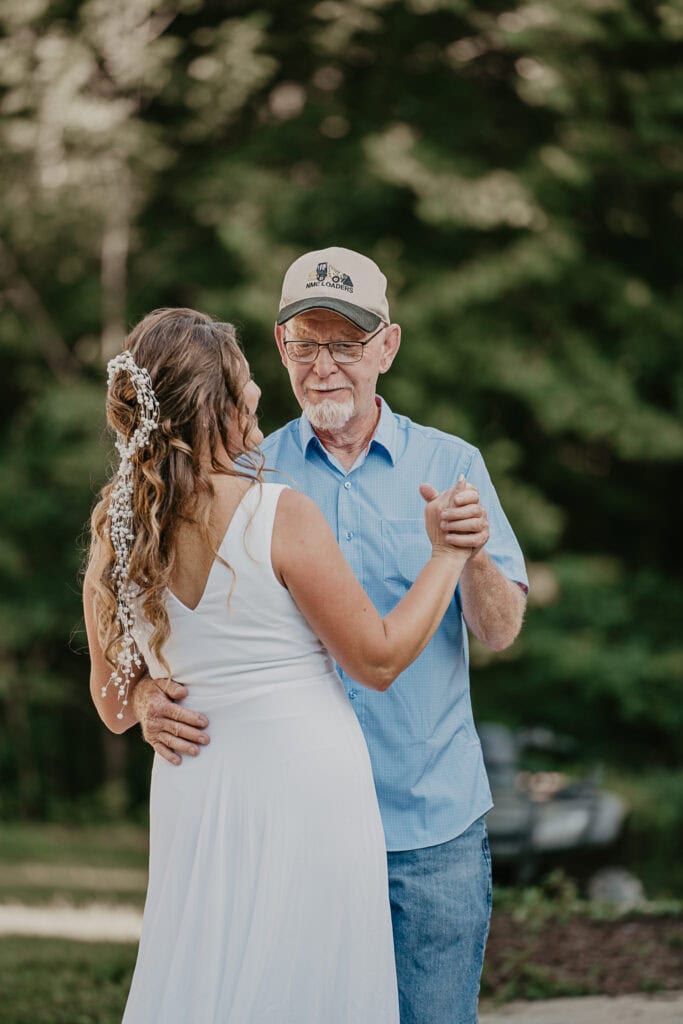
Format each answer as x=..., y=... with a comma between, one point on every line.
x=267, y=900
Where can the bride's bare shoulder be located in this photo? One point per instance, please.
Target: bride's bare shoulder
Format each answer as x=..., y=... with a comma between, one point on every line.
x=297, y=512
x=299, y=527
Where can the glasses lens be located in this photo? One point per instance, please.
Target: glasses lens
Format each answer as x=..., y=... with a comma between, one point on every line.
x=302, y=351
x=346, y=351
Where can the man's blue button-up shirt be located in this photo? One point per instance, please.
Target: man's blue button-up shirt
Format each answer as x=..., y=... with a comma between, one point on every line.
x=425, y=753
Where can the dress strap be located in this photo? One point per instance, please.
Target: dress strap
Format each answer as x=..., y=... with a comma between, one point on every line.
x=257, y=512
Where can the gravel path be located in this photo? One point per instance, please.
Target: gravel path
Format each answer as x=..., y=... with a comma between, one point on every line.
x=97, y=922
x=663, y=1008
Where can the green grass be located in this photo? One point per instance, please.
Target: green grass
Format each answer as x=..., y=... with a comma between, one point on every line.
x=55, y=981
x=77, y=864
x=52, y=981
x=36, y=896
x=95, y=845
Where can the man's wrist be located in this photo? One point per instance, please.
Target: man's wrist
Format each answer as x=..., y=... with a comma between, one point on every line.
x=477, y=561
x=134, y=697
x=450, y=553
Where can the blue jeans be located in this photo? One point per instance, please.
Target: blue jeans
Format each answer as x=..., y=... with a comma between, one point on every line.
x=441, y=909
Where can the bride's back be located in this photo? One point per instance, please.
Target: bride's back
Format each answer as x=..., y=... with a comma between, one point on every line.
x=193, y=556
x=243, y=632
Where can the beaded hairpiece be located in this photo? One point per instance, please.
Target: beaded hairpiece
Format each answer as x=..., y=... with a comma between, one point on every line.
x=120, y=515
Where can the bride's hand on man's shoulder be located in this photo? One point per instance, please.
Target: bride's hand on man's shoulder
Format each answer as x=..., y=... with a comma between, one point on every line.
x=167, y=726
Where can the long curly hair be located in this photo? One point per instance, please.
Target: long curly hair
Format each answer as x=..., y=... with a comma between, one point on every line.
x=198, y=373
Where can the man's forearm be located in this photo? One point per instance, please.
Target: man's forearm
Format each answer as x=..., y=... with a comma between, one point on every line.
x=493, y=606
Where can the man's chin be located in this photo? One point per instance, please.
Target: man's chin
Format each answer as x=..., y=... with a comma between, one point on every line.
x=329, y=414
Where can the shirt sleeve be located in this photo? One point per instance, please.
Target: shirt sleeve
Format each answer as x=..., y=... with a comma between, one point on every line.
x=502, y=546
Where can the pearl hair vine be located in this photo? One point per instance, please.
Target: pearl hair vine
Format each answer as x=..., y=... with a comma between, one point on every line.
x=120, y=516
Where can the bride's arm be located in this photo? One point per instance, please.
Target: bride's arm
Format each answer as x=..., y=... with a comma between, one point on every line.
x=372, y=650
x=100, y=670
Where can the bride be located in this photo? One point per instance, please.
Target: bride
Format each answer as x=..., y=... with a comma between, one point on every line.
x=267, y=900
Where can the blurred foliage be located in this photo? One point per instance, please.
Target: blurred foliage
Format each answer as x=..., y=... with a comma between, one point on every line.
x=514, y=168
x=556, y=900
x=654, y=835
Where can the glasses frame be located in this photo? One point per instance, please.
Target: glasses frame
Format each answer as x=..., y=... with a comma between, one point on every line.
x=326, y=344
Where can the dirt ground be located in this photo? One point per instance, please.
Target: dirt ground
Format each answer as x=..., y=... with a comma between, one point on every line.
x=582, y=957
x=666, y=1008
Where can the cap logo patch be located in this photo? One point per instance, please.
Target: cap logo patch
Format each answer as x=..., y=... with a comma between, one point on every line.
x=325, y=275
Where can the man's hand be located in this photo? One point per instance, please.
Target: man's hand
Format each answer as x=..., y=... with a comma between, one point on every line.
x=464, y=521
x=169, y=728
x=492, y=605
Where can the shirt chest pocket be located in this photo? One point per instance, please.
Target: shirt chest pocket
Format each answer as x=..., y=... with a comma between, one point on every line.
x=405, y=549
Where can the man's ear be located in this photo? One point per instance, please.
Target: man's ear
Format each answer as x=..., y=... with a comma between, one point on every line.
x=390, y=346
x=279, y=332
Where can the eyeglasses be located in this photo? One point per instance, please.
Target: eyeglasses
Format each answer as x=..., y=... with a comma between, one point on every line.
x=305, y=350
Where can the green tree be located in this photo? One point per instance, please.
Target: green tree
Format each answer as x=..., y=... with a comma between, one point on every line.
x=515, y=170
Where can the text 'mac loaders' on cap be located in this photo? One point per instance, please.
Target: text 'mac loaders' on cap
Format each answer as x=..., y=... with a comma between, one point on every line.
x=338, y=279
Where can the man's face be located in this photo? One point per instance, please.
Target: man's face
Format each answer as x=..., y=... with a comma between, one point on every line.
x=335, y=395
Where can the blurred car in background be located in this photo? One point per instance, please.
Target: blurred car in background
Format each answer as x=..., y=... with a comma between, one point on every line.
x=547, y=818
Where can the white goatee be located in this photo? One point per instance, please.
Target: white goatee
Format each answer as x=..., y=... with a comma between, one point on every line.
x=328, y=414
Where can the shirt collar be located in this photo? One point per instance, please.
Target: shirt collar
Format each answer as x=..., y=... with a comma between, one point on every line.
x=384, y=436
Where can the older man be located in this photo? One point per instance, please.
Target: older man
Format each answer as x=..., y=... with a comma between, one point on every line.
x=363, y=465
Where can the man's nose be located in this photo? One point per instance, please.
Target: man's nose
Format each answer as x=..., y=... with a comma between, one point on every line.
x=324, y=363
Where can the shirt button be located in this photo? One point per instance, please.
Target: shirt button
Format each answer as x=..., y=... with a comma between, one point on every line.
x=352, y=694
x=349, y=535
x=347, y=485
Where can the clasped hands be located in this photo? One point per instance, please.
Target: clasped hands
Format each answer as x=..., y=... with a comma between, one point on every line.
x=463, y=521
x=173, y=730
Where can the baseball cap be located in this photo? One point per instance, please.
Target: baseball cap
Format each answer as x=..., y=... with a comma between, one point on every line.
x=338, y=279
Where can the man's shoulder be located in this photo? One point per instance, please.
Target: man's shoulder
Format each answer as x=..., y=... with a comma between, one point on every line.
x=420, y=434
